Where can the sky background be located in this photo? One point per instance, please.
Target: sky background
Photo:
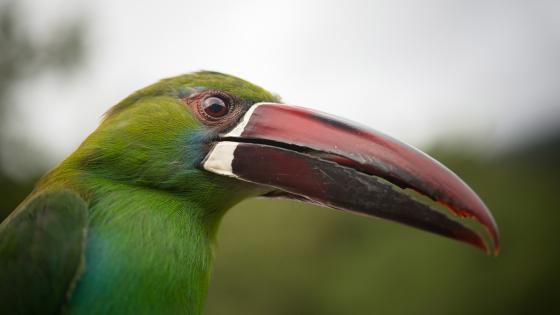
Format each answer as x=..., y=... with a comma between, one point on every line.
x=421, y=71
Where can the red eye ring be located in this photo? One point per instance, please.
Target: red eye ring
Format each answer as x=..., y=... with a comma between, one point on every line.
x=214, y=107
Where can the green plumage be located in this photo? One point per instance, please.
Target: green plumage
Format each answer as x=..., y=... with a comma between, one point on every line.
x=42, y=246
x=126, y=224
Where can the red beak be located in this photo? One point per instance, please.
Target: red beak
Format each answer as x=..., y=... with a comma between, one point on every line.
x=318, y=158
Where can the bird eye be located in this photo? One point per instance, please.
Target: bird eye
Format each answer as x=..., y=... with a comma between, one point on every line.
x=215, y=107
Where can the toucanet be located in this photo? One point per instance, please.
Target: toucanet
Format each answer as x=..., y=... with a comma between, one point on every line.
x=127, y=223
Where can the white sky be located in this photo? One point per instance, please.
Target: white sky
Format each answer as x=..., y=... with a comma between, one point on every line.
x=417, y=70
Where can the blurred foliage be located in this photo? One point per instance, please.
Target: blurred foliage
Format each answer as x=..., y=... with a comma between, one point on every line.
x=24, y=55
x=290, y=258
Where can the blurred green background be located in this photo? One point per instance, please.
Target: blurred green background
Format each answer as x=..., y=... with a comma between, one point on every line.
x=282, y=257
x=288, y=258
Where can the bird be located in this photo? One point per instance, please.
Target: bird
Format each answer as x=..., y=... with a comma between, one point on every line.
x=127, y=223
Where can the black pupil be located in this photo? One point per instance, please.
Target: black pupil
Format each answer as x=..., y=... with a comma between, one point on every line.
x=215, y=107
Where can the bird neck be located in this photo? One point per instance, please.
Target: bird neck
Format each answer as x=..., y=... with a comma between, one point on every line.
x=148, y=252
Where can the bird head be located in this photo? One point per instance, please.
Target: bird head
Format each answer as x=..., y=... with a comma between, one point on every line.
x=215, y=139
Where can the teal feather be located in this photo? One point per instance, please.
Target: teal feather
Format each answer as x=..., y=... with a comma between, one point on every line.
x=151, y=216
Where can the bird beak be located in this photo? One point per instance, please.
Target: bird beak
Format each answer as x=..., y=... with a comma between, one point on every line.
x=314, y=157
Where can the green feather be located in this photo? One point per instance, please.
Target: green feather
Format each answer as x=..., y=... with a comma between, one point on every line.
x=41, y=246
x=150, y=214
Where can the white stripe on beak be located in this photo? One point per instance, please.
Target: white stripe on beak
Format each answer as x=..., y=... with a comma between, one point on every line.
x=238, y=130
x=219, y=159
